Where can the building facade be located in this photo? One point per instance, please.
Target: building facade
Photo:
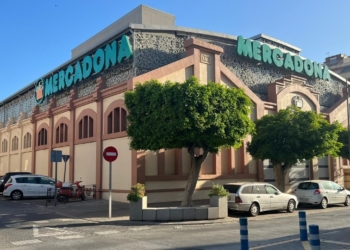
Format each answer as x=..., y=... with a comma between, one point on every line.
x=79, y=108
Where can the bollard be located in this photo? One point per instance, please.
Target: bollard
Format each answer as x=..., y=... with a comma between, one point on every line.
x=243, y=222
x=302, y=226
x=315, y=243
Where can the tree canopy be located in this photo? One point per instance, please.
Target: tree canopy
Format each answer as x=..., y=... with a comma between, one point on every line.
x=292, y=135
x=187, y=115
x=344, y=139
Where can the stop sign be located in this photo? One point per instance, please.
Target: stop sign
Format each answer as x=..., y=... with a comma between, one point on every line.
x=110, y=154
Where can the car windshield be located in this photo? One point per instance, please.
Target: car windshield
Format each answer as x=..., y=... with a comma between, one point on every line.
x=232, y=188
x=308, y=185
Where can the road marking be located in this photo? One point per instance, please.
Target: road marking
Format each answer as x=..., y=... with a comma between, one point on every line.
x=274, y=244
x=25, y=242
x=69, y=237
x=20, y=215
x=334, y=232
x=139, y=228
x=3, y=214
x=306, y=245
x=64, y=220
x=56, y=232
x=41, y=221
x=107, y=232
x=336, y=242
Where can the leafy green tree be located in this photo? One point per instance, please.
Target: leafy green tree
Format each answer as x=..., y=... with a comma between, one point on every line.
x=344, y=139
x=290, y=135
x=187, y=115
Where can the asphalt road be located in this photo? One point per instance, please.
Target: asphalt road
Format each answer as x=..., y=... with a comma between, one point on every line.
x=26, y=225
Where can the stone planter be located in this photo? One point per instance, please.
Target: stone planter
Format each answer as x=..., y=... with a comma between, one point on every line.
x=136, y=208
x=221, y=203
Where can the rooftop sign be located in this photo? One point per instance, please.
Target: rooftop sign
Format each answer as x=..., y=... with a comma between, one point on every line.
x=101, y=59
x=264, y=53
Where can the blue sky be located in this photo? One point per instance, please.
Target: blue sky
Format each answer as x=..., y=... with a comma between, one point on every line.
x=38, y=35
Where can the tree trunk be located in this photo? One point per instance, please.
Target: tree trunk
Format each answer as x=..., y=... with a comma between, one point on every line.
x=196, y=164
x=279, y=176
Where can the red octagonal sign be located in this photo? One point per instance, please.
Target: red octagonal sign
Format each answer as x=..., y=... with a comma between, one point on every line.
x=110, y=154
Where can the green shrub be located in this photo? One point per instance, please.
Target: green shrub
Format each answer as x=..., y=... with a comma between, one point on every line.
x=218, y=190
x=137, y=192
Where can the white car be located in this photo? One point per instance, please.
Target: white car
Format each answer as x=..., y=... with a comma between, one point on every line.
x=322, y=193
x=256, y=197
x=19, y=186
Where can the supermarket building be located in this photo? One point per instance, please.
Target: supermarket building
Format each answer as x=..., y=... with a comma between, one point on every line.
x=79, y=108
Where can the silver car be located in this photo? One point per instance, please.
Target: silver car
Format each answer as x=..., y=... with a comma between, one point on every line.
x=322, y=193
x=256, y=197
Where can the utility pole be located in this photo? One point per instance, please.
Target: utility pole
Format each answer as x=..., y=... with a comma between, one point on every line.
x=347, y=111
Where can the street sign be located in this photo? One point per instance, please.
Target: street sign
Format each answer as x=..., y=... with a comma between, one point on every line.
x=65, y=158
x=110, y=154
x=56, y=156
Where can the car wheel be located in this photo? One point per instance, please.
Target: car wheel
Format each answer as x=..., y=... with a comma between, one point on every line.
x=291, y=206
x=254, y=209
x=347, y=201
x=16, y=195
x=324, y=203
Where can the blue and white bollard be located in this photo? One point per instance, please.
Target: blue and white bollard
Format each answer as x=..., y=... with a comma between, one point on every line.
x=302, y=225
x=315, y=243
x=243, y=222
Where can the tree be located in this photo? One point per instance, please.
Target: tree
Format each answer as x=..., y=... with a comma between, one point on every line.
x=187, y=115
x=292, y=135
x=344, y=139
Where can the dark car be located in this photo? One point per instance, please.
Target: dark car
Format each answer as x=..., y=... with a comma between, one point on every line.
x=7, y=176
x=1, y=178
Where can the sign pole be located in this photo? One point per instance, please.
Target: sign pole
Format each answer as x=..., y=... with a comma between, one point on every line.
x=64, y=174
x=110, y=190
x=55, y=194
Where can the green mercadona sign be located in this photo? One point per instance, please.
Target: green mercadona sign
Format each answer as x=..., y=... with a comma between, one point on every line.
x=264, y=53
x=101, y=59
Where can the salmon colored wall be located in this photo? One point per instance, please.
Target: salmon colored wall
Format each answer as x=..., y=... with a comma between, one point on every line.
x=91, y=106
x=4, y=168
x=85, y=163
x=41, y=166
x=151, y=163
x=206, y=70
x=109, y=100
x=178, y=76
x=307, y=103
x=121, y=168
x=170, y=162
x=26, y=164
x=15, y=164
x=57, y=117
x=46, y=120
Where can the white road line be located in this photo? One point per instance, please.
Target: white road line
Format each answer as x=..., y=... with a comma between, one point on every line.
x=273, y=244
x=336, y=242
x=139, y=228
x=56, y=232
x=333, y=232
x=41, y=221
x=20, y=215
x=69, y=237
x=107, y=232
x=25, y=242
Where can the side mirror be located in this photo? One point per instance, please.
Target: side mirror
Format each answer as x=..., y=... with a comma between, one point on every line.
x=277, y=193
x=51, y=183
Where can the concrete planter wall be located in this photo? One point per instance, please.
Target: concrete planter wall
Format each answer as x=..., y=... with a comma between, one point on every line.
x=137, y=207
x=140, y=212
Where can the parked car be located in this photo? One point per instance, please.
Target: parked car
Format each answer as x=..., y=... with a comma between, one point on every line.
x=256, y=197
x=19, y=186
x=1, y=178
x=322, y=193
x=7, y=176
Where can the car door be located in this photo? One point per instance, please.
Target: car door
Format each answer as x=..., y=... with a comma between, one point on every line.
x=329, y=192
x=32, y=186
x=262, y=197
x=276, y=200
x=340, y=193
x=45, y=184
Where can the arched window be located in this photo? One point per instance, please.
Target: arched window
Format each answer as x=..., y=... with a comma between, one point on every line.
x=27, y=140
x=116, y=121
x=42, y=137
x=86, y=127
x=4, y=146
x=62, y=133
x=14, y=143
